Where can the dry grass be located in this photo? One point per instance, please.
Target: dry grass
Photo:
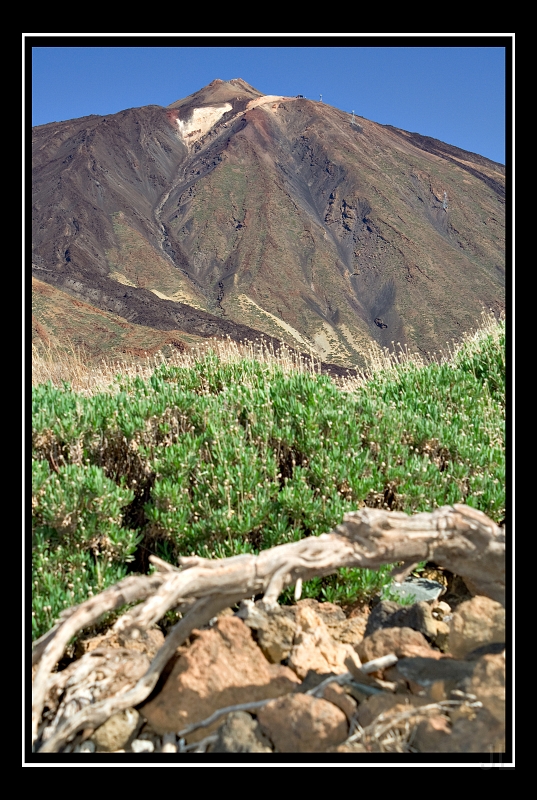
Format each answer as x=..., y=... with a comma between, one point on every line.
x=386, y=361
x=58, y=362
x=394, y=732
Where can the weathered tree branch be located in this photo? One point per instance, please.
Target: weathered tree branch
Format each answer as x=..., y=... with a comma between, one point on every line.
x=50, y=648
x=458, y=538
x=95, y=715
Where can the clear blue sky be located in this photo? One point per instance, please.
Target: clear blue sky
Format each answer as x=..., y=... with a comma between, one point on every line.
x=455, y=93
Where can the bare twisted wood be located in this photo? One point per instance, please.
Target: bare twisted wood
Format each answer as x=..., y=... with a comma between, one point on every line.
x=458, y=538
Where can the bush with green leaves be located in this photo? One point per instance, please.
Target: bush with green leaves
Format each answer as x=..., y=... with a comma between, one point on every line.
x=78, y=540
x=227, y=458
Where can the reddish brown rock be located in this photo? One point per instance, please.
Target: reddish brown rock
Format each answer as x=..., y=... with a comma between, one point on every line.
x=315, y=649
x=480, y=734
x=488, y=684
x=475, y=623
x=330, y=613
x=432, y=735
x=300, y=723
x=222, y=667
x=427, y=671
x=401, y=641
x=343, y=629
x=381, y=616
x=348, y=631
x=338, y=696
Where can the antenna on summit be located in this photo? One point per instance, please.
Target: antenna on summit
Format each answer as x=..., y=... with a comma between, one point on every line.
x=320, y=98
x=352, y=123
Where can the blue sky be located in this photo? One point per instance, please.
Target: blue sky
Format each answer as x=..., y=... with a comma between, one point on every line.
x=453, y=89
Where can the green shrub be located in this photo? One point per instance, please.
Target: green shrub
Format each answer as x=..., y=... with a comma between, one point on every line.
x=225, y=458
x=79, y=545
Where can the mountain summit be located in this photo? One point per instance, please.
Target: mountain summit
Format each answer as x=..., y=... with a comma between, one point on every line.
x=230, y=212
x=219, y=92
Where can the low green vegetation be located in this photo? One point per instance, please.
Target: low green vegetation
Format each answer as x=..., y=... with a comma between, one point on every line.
x=219, y=458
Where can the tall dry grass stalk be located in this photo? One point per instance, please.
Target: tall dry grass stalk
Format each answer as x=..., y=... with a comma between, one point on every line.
x=383, y=360
x=58, y=362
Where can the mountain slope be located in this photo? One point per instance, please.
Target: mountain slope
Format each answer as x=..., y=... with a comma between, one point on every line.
x=283, y=215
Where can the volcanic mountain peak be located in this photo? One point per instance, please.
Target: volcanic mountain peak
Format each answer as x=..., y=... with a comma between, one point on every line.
x=199, y=112
x=232, y=211
x=219, y=91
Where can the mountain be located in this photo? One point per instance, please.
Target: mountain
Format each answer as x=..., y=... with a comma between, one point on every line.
x=230, y=212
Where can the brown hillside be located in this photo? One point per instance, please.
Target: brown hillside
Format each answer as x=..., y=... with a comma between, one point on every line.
x=232, y=213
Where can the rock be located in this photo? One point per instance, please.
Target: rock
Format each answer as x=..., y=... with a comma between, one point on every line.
x=313, y=679
x=116, y=731
x=148, y=642
x=488, y=685
x=275, y=631
x=421, y=589
x=351, y=747
x=435, y=692
x=85, y=747
x=378, y=704
x=426, y=671
x=222, y=667
x=300, y=723
x=479, y=734
x=276, y=640
x=457, y=591
x=464, y=711
x=339, y=697
x=240, y=733
x=315, y=649
x=476, y=622
x=434, y=677
x=418, y=616
x=493, y=649
x=380, y=615
x=401, y=641
x=432, y=735
x=330, y=613
x=348, y=631
x=441, y=639
x=147, y=733
x=440, y=609
x=169, y=743
x=142, y=746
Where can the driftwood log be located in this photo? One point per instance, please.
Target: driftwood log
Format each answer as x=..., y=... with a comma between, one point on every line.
x=458, y=538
